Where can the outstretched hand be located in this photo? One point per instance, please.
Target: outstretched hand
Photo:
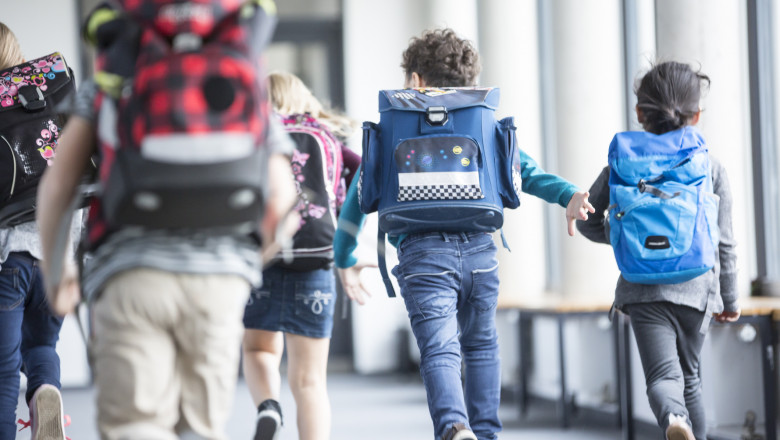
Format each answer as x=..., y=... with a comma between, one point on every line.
x=728, y=316
x=352, y=284
x=578, y=209
x=65, y=296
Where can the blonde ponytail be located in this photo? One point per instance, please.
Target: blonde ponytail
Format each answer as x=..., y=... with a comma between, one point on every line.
x=289, y=96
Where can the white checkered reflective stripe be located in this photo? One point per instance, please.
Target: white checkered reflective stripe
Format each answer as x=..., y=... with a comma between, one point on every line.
x=444, y=192
x=517, y=181
x=439, y=186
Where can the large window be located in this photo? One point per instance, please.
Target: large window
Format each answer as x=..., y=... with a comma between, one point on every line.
x=763, y=22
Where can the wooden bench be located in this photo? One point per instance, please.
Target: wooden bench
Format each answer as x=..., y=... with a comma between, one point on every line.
x=561, y=309
x=762, y=312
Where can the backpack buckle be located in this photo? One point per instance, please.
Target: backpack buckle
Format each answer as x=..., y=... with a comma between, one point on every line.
x=436, y=115
x=31, y=98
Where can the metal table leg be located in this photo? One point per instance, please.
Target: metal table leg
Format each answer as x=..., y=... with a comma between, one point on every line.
x=625, y=384
x=767, y=335
x=563, y=402
x=525, y=357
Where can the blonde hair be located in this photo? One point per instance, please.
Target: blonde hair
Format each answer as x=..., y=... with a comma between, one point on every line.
x=290, y=96
x=10, y=52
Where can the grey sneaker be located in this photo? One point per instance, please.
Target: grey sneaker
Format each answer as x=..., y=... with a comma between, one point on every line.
x=678, y=428
x=46, y=414
x=458, y=431
x=269, y=420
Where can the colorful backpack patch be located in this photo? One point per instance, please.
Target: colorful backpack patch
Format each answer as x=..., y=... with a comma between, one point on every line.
x=317, y=169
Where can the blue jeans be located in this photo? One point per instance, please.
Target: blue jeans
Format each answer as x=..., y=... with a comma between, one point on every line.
x=28, y=335
x=449, y=283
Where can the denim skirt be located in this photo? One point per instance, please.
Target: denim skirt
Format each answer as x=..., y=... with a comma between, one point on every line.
x=301, y=303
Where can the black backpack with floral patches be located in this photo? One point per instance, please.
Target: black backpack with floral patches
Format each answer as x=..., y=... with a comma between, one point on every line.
x=30, y=125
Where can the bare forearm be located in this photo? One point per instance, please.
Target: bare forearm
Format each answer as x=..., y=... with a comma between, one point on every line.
x=282, y=190
x=59, y=183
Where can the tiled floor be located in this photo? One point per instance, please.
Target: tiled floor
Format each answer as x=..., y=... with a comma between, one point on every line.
x=364, y=407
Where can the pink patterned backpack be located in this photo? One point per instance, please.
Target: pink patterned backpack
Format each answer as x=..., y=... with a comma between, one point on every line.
x=30, y=124
x=317, y=167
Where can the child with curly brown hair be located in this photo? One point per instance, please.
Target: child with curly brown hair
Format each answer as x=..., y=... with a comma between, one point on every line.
x=449, y=281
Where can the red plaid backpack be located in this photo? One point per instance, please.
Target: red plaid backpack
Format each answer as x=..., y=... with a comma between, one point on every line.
x=317, y=166
x=182, y=114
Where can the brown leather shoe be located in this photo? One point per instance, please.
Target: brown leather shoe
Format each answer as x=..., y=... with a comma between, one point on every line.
x=458, y=431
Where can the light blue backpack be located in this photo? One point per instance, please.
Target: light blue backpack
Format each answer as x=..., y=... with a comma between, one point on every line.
x=438, y=161
x=663, y=214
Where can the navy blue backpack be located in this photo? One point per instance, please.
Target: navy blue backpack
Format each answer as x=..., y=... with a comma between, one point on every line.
x=663, y=214
x=438, y=161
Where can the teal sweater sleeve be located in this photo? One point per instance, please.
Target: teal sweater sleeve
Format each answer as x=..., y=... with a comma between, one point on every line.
x=546, y=186
x=351, y=221
x=536, y=181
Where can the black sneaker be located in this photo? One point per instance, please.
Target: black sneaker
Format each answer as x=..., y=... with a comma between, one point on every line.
x=458, y=431
x=269, y=420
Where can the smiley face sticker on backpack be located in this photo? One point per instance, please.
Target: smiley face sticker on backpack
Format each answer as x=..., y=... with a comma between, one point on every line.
x=465, y=161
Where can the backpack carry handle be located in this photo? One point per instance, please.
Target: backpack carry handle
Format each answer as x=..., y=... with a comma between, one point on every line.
x=436, y=115
x=32, y=98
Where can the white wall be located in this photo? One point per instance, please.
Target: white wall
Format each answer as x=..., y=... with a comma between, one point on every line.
x=713, y=34
x=509, y=50
x=589, y=106
x=45, y=26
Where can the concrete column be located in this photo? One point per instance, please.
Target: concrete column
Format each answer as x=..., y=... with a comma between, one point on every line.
x=589, y=107
x=375, y=35
x=640, y=49
x=509, y=47
x=713, y=34
x=460, y=15
x=774, y=187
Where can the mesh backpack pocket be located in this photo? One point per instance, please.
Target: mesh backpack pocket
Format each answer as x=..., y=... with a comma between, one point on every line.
x=438, y=168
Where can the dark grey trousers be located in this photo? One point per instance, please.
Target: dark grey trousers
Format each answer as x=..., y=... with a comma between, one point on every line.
x=670, y=343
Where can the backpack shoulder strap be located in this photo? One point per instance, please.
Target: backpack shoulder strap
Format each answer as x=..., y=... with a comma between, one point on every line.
x=380, y=253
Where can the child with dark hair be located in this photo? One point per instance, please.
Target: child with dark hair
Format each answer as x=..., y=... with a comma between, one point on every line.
x=670, y=320
x=449, y=281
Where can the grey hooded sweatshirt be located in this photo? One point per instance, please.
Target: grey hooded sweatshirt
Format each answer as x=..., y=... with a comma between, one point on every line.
x=719, y=285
